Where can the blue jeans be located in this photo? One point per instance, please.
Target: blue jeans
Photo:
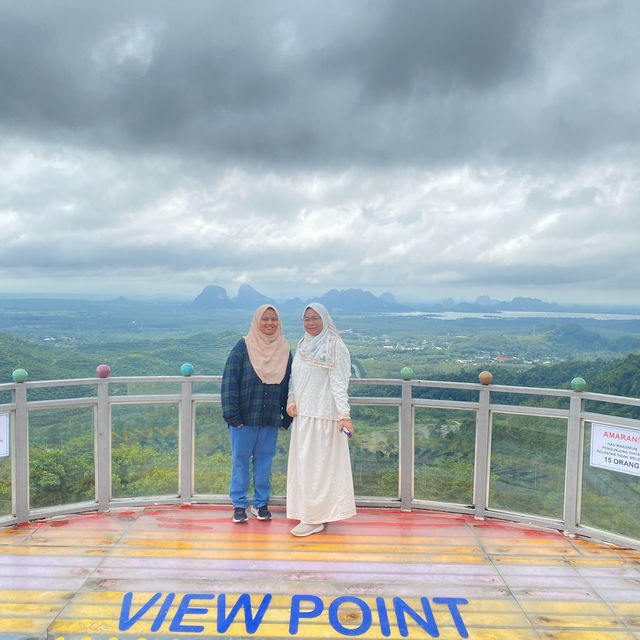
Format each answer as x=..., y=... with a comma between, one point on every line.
x=248, y=442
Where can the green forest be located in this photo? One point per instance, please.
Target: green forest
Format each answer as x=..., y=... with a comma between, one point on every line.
x=528, y=453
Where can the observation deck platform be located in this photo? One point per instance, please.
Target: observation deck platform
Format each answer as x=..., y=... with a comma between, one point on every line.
x=171, y=572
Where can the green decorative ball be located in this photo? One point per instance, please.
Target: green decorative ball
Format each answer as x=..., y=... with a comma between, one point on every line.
x=578, y=384
x=20, y=375
x=406, y=373
x=186, y=369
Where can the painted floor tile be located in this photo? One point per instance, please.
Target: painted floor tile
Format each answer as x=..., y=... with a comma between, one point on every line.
x=177, y=573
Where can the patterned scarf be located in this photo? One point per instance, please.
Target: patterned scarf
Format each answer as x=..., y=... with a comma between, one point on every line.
x=320, y=350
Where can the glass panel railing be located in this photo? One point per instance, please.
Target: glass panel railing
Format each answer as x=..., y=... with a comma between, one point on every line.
x=611, y=492
x=144, y=442
x=61, y=456
x=279, y=465
x=6, y=507
x=527, y=464
x=212, y=451
x=374, y=451
x=209, y=386
x=212, y=455
x=528, y=455
x=148, y=387
x=444, y=445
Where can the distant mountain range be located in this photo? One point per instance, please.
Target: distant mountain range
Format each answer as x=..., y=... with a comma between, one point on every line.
x=346, y=301
x=360, y=301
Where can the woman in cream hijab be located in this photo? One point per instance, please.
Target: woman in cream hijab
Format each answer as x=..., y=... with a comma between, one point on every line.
x=255, y=382
x=319, y=481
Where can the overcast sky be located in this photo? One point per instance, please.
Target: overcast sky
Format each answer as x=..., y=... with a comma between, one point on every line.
x=432, y=148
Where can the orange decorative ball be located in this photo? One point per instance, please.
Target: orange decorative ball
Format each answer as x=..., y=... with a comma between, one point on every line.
x=485, y=377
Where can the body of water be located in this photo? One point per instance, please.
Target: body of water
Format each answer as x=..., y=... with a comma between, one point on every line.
x=499, y=315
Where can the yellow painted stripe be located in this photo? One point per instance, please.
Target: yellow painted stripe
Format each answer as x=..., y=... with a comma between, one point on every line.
x=553, y=607
x=627, y=608
x=587, y=635
x=71, y=550
x=554, y=560
x=531, y=551
x=285, y=536
x=30, y=610
x=30, y=596
x=23, y=625
x=568, y=621
x=269, y=545
x=307, y=628
x=328, y=556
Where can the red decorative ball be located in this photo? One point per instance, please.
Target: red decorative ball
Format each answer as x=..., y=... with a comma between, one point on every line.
x=103, y=370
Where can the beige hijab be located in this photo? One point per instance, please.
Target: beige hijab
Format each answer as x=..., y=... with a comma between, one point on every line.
x=269, y=355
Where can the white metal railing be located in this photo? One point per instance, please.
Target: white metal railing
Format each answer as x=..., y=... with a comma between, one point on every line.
x=20, y=407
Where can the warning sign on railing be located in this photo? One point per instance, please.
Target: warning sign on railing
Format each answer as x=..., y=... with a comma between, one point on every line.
x=615, y=448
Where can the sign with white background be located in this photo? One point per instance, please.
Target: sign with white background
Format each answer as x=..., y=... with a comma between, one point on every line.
x=615, y=448
x=4, y=435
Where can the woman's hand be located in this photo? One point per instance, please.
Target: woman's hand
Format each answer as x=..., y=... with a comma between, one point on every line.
x=292, y=410
x=346, y=422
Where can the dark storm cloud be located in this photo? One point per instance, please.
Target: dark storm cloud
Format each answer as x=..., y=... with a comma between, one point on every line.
x=362, y=82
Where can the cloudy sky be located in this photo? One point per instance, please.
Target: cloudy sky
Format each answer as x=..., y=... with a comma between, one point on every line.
x=431, y=148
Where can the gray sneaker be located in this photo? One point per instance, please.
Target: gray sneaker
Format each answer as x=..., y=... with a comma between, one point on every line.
x=262, y=513
x=305, y=529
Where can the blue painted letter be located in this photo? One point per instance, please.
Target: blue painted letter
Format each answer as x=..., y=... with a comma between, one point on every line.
x=455, y=614
x=183, y=609
x=296, y=614
x=251, y=624
x=365, y=625
x=428, y=623
x=162, y=614
x=385, y=629
x=127, y=622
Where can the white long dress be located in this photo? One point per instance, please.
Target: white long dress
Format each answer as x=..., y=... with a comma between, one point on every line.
x=319, y=480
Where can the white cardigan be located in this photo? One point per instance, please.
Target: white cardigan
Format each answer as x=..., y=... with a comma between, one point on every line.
x=320, y=392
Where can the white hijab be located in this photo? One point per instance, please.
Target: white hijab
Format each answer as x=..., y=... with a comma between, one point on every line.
x=320, y=350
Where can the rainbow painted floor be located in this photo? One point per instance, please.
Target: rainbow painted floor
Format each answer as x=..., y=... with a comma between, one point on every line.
x=174, y=573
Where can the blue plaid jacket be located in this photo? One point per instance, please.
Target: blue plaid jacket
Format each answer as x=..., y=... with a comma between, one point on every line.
x=246, y=399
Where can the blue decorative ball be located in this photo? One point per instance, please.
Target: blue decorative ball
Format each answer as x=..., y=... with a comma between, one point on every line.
x=186, y=369
x=19, y=375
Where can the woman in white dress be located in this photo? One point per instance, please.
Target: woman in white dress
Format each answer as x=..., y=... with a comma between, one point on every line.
x=319, y=481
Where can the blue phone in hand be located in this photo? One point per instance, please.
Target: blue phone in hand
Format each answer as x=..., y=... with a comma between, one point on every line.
x=346, y=432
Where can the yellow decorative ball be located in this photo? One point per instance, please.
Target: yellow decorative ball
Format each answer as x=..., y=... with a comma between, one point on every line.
x=485, y=377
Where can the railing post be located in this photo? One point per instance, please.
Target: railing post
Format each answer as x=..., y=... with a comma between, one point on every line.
x=573, y=465
x=103, y=446
x=20, y=447
x=482, y=455
x=186, y=432
x=406, y=448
